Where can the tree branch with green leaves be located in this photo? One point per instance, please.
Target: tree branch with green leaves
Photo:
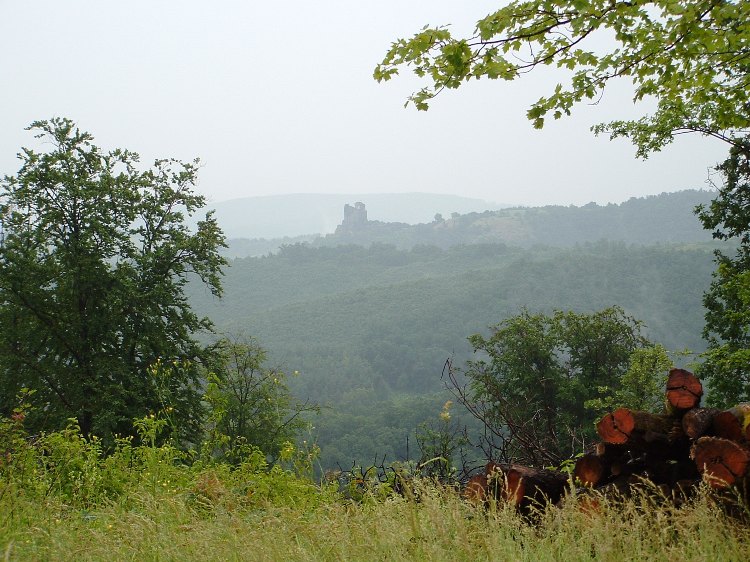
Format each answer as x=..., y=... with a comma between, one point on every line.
x=692, y=57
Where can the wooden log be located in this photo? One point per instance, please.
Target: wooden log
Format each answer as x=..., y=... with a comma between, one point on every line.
x=733, y=424
x=610, y=452
x=699, y=422
x=617, y=489
x=526, y=486
x=663, y=461
x=672, y=471
x=615, y=457
x=650, y=436
x=591, y=469
x=721, y=462
x=523, y=486
x=476, y=489
x=684, y=390
x=619, y=427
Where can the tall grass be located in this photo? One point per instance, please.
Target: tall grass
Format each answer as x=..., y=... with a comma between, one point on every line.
x=61, y=499
x=440, y=526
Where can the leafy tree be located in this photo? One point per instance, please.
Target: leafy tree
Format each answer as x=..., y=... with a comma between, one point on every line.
x=250, y=404
x=641, y=387
x=94, y=260
x=727, y=302
x=691, y=56
x=534, y=374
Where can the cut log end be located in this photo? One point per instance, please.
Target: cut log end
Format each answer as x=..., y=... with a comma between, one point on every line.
x=684, y=389
x=616, y=427
x=733, y=423
x=589, y=470
x=515, y=487
x=721, y=461
x=476, y=489
x=727, y=425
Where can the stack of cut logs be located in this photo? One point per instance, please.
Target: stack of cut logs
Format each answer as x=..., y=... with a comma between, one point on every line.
x=673, y=451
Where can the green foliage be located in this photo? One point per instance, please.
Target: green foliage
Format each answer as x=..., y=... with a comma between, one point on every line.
x=250, y=405
x=690, y=56
x=17, y=455
x=439, y=443
x=215, y=517
x=536, y=371
x=147, y=502
x=93, y=266
x=72, y=474
x=727, y=302
x=641, y=387
x=369, y=331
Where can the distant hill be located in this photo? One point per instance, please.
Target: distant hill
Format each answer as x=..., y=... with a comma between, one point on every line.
x=658, y=219
x=299, y=214
x=665, y=218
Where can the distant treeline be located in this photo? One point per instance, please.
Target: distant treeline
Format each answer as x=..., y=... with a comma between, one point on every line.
x=665, y=218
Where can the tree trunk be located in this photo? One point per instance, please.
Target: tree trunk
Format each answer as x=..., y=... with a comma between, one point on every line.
x=622, y=425
x=522, y=486
x=699, y=422
x=734, y=423
x=86, y=423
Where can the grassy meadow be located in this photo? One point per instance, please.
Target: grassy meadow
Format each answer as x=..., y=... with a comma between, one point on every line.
x=61, y=498
x=441, y=526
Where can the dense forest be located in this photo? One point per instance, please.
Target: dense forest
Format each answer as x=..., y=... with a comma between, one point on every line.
x=370, y=327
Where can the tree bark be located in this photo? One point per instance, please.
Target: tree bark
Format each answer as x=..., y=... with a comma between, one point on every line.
x=734, y=423
x=622, y=425
x=699, y=422
x=522, y=486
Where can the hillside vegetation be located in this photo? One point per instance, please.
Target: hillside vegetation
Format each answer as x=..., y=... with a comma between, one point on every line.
x=369, y=329
x=62, y=499
x=665, y=218
x=298, y=214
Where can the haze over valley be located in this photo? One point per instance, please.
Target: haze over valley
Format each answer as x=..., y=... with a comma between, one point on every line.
x=369, y=313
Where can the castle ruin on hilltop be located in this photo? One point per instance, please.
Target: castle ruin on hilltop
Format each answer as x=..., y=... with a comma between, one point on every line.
x=354, y=217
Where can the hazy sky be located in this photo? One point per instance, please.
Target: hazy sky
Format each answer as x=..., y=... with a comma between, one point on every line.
x=278, y=97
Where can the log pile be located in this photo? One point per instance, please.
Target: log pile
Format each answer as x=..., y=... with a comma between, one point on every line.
x=673, y=451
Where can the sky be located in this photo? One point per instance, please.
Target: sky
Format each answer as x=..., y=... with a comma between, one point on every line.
x=278, y=98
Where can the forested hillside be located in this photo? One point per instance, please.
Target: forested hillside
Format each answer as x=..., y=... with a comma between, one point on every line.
x=664, y=218
x=318, y=213
x=370, y=328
